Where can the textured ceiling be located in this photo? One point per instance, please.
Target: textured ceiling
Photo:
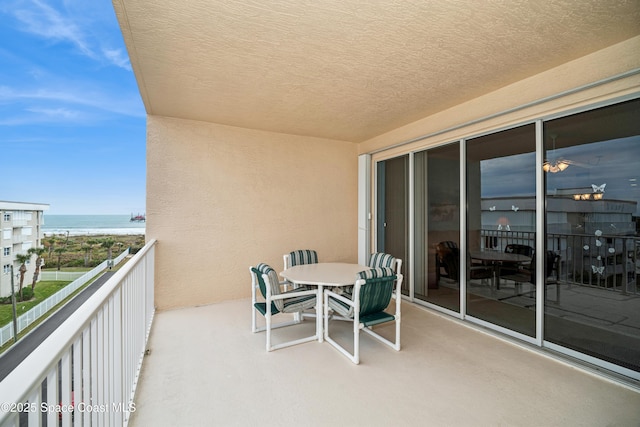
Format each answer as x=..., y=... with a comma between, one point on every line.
x=350, y=69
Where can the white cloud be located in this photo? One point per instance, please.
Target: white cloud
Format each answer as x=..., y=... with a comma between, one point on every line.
x=71, y=103
x=43, y=20
x=117, y=57
x=57, y=24
x=55, y=113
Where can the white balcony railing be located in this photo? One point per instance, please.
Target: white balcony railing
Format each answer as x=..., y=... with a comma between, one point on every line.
x=87, y=370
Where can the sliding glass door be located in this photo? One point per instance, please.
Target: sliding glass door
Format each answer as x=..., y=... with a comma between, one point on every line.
x=392, y=212
x=560, y=272
x=437, y=226
x=501, y=229
x=592, y=297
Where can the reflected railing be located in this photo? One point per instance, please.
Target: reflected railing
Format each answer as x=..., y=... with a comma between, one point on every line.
x=605, y=261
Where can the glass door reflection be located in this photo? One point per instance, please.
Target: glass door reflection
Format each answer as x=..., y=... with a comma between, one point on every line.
x=501, y=229
x=437, y=226
x=392, y=212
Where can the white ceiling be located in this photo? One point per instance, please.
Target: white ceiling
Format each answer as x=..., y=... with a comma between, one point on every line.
x=350, y=69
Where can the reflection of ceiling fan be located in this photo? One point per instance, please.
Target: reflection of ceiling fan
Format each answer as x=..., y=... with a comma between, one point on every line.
x=556, y=165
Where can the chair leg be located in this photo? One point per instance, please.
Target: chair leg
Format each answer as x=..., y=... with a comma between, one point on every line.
x=268, y=322
x=254, y=324
x=355, y=358
x=356, y=343
x=397, y=347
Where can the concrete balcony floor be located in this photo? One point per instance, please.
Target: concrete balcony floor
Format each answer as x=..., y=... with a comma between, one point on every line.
x=206, y=368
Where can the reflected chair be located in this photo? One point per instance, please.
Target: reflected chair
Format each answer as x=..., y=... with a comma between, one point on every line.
x=511, y=268
x=365, y=307
x=275, y=301
x=380, y=259
x=480, y=271
x=447, y=261
x=527, y=273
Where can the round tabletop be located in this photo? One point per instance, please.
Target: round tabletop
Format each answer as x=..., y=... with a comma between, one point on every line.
x=498, y=256
x=324, y=273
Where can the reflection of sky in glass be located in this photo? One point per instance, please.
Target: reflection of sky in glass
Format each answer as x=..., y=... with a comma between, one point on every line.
x=615, y=163
x=509, y=176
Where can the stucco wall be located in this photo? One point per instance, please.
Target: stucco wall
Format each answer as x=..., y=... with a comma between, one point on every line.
x=220, y=199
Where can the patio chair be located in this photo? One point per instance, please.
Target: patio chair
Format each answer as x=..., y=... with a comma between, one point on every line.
x=366, y=308
x=299, y=257
x=265, y=279
x=380, y=259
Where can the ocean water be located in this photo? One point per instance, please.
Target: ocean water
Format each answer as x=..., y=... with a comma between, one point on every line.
x=82, y=225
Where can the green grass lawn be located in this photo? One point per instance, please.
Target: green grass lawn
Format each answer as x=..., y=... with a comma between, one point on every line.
x=44, y=289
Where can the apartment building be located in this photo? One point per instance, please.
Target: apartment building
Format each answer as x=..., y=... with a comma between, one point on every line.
x=21, y=229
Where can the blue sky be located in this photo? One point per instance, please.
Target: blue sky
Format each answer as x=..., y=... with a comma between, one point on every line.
x=72, y=124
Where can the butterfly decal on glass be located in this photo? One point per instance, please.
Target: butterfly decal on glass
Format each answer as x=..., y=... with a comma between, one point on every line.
x=598, y=270
x=598, y=188
x=514, y=208
x=492, y=208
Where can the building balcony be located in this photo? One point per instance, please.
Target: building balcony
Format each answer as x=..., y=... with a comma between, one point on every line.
x=117, y=362
x=207, y=368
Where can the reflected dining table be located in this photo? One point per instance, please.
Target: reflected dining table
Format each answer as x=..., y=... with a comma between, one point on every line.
x=497, y=258
x=329, y=274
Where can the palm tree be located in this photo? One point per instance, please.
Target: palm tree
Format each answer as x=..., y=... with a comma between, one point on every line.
x=108, y=244
x=86, y=248
x=59, y=252
x=91, y=243
x=22, y=259
x=52, y=242
x=39, y=252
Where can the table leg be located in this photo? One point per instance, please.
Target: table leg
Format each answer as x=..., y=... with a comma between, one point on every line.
x=320, y=314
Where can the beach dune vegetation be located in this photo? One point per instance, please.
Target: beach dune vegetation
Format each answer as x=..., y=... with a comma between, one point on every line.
x=87, y=251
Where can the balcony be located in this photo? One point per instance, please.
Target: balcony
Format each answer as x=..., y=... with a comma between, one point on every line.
x=207, y=368
x=203, y=366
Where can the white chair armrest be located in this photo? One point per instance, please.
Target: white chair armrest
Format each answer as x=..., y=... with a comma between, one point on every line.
x=339, y=297
x=294, y=294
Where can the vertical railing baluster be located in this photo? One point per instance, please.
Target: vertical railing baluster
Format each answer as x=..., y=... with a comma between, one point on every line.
x=95, y=368
x=65, y=388
x=52, y=394
x=77, y=378
x=34, y=417
x=117, y=418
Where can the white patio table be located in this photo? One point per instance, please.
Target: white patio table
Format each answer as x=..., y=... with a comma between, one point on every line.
x=332, y=274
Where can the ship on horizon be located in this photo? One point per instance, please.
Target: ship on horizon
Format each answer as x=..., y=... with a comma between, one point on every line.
x=138, y=218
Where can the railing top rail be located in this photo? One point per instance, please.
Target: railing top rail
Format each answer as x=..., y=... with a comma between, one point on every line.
x=34, y=367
